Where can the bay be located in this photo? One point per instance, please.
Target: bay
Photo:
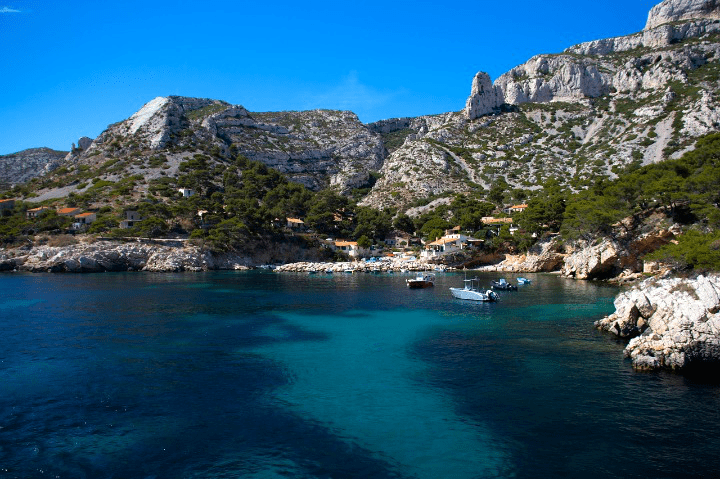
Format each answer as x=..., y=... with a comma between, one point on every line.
x=257, y=374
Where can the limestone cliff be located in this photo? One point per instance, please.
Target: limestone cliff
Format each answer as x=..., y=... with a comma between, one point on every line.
x=679, y=10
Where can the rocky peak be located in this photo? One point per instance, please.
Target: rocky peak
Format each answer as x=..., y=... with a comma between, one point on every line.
x=483, y=98
x=680, y=10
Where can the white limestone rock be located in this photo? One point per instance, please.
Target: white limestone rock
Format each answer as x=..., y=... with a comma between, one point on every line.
x=679, y=10
x=484, y=98
x=674, y=322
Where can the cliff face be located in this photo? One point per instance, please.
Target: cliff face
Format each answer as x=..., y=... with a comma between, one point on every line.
x=679, y=10
x=674, y=322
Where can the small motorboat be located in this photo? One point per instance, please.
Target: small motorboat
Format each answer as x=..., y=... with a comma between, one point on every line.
x=522, y=280
x=472, y=292
x=503, y=285
x=422, y=280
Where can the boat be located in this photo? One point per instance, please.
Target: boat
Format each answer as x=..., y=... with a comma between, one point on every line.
x=422, y=280
x=523, y=280
x=472, y=292
x=503, y=285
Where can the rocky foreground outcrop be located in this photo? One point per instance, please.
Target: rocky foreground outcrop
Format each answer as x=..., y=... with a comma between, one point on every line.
x=115, y=256
x=674, y=322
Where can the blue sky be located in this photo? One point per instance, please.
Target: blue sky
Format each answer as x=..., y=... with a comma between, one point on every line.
x=69, y=69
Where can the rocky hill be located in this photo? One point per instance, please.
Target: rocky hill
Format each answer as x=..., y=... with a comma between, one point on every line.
x=25, y=165
x=585, y=113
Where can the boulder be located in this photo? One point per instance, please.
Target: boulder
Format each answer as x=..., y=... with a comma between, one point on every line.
x=674, y=322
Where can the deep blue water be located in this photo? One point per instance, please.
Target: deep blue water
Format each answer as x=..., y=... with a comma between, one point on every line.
x=263, y=375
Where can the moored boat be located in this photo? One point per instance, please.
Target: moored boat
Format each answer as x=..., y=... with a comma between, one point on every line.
x=522, y=280
x=422, y=280
x=503, y=285
x=472, y=292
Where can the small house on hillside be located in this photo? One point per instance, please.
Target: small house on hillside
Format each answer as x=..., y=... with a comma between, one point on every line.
x=35, y=212
x=515, y=209
x=295, y=224
x=186, y=192
x=85, y=218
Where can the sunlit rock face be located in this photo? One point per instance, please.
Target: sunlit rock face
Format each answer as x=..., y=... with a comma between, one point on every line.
x=680, y=10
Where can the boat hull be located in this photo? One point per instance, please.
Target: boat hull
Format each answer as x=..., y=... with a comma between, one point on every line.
x=414, y=284
x=473, y=295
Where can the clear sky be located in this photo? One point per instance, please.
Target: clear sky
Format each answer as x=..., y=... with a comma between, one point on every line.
x=71, y=68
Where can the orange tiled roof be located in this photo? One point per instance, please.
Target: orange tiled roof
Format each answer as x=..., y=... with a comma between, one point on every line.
x=346, y=243
x=443, y=241
x=83, y=215
x=66, y=210
x=295, y=220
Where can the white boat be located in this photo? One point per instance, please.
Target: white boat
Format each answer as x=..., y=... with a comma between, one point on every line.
x=472, y=292
x=422, y=280
x=523, y=280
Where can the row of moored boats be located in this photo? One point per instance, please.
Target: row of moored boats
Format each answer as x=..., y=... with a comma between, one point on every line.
x=471, y=290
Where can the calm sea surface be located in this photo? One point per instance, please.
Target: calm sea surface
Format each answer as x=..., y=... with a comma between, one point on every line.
x=263, y=375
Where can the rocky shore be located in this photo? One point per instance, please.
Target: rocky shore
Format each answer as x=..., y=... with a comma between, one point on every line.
x=100, y=256
x=673, y=322
x=384, y=265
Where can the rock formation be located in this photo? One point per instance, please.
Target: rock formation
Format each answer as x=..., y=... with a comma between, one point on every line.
x=25, y=165
x=674, y=322
x=679, y=10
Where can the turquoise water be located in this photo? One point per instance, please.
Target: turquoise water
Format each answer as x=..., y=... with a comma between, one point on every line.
x=259, y=374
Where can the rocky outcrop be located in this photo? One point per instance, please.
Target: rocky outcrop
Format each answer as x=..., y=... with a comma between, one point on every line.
x=25, y=165
x=173, y=256
x=545, y=256
x=680, y=10
x=602, y=260
x=674, y=322
x=484, y=97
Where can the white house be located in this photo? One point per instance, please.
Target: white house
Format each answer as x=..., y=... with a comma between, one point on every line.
x=35, y=212
x=447, y=244
x=515, y=209
x=351, y=248
x=186, y=192
x=85, y=218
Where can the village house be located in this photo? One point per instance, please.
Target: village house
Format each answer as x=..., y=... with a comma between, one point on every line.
x=515, y=209
x=35, y=212
x=295, y=224
x=445, y=245
x=85, y=218
x=7, y=205
x=186, y=192
x=351, y=248
x=131, y=217
x=68, y=211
